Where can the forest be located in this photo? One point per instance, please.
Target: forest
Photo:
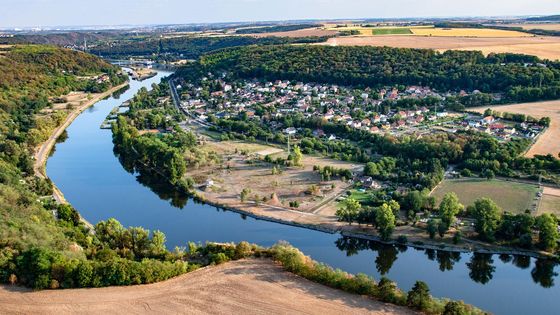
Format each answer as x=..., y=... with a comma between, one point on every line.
x=275, y=28
x=37, y=248
x=189, y=47
x=517, y=77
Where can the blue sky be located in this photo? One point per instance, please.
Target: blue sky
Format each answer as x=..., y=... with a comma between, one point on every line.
x=18, y=13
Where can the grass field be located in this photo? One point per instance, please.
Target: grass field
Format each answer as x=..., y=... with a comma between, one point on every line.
x=467, y=32
x=391, y=31
x=510, y=196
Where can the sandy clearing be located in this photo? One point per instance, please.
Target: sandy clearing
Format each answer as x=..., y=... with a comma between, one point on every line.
x=549, y=141
x=541, y=46
x=255, y=286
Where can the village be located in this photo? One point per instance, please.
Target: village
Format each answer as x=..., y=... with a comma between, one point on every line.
x=376, y=111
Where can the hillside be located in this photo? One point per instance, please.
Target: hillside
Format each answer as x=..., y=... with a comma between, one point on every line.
x=254, y=286
x=190, y=47
x=545, y=18
x=518, y=76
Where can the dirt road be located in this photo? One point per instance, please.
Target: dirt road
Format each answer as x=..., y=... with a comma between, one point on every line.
x=42, y=152
x=255, y=286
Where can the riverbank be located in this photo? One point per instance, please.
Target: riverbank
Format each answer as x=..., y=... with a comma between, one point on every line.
x=250, y=286
x=415, y=237
x=42, y=152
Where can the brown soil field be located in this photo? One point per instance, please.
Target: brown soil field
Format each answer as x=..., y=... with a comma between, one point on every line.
x=299, y=33
x=542, y=46
x=548, y=142
x=254, y=286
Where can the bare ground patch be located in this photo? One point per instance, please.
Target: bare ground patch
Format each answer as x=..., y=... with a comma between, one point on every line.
x=255, y=286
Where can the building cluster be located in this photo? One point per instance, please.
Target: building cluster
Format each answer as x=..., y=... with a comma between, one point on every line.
x=362, y=109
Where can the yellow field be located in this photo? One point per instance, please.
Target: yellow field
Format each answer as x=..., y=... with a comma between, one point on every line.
x=548, y=26
x=547, y=47
x=467, y=32
x=428, y=30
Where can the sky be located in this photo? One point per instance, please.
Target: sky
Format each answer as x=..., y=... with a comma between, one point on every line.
x=37, y=13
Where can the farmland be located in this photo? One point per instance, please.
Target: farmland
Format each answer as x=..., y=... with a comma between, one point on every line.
x=467, y=32
x=510, y=196
x=391, y=31
x=544, y=26
x=548, y=142
x=308, y=32
x=546, y=47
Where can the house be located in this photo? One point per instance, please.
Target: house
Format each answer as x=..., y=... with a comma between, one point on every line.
x=369, y=183
x=290, y=130
x=488, y=120
x=318, y=133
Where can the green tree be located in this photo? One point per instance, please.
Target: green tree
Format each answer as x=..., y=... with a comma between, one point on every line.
x=419, y=296
x=244, y=194
x=456, y=308
x=487, y=217
x=385, y=221
x=349, y=211
x=548, y=232
x=432, y=228
x=297, y=156
x=449, y=208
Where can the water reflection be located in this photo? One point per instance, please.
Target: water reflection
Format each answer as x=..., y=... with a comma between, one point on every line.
x=544, y=273
x=447, y=260
x=480, y=267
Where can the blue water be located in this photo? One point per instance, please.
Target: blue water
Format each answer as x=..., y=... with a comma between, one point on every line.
x=93, y=180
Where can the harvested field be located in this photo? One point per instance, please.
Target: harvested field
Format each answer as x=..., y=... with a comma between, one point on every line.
x=547, y=143
x=308, y=32
x=542, y=46
x=544, y=26
x=255, y=286
x=467, y=32
x=510, y=196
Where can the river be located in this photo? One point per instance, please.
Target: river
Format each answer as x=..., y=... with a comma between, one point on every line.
x=93, y=180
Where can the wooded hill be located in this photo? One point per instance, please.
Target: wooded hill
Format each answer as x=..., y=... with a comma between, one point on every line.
x=519, y=77
x=190, y=47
